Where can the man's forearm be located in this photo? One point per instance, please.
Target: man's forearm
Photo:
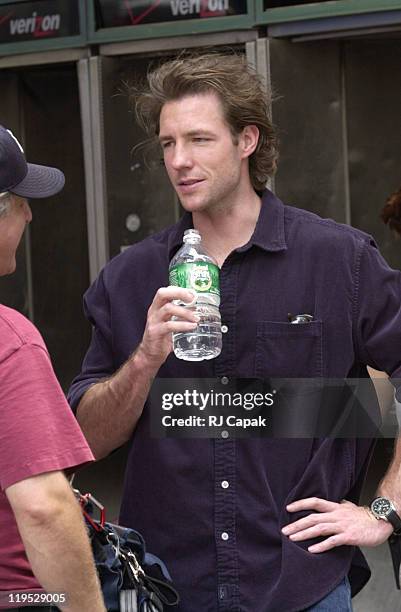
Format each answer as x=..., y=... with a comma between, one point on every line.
x=390, y=486
x=59, y=552
x=109, y=411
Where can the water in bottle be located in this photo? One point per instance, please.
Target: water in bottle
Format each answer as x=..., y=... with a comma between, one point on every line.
x=192, y=268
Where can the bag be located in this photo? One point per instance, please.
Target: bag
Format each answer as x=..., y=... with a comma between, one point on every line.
x=132, y=579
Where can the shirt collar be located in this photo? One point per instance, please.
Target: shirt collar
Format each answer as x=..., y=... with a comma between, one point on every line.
x=269, y=232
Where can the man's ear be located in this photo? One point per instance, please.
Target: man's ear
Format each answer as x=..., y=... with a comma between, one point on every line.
x=248, y=140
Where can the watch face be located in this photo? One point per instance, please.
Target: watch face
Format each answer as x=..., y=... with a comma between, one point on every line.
x=381, y=506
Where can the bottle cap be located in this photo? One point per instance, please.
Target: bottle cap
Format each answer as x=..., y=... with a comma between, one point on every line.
x=191, y=233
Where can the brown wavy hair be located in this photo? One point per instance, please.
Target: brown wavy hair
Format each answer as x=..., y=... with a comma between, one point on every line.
x=240, y=89
x=391, y=213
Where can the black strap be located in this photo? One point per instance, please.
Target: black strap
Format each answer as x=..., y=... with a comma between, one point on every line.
x=165, y=591
x=395, y=549
x=395, y=521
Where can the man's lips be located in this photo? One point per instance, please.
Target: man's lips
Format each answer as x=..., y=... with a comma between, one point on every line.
x=187, y=186
x=189, y=182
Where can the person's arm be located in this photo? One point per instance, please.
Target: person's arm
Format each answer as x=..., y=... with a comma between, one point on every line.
x=384, y=390
x=52, y=529
x=390, y=486
x=109, y=411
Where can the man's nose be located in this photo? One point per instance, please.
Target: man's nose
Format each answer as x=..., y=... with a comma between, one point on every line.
x=181, y=157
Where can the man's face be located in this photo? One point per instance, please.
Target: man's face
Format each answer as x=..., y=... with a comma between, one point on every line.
x=12, y=226
x=204, y=164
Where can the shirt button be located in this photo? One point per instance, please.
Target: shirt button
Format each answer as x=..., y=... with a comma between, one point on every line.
x=224, y=329
x=225, y=484
x=224, y=434
x=224, y=536
x=224, y=380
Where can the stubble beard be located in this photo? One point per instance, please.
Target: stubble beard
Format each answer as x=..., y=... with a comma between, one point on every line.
x=217, y=201
x=207, y=205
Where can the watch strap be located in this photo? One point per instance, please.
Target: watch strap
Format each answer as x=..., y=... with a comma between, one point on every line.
x=395, y=521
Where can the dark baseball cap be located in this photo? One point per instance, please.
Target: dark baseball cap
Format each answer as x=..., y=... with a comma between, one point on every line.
x=23, y=179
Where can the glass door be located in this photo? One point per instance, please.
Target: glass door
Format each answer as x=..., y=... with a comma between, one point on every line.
x=42, y=106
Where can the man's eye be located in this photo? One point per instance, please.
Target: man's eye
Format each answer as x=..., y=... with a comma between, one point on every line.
x=201, y=139
x=166, y=144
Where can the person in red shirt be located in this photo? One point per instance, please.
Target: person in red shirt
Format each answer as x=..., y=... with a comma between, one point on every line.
x=44, y=548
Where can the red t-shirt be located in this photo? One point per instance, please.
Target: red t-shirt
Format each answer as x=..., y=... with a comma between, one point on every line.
x=38, y=432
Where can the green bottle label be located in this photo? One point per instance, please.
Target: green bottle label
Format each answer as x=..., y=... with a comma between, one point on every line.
x=201, y=276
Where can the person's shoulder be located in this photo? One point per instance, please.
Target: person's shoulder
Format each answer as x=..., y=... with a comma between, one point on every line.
x=315, y=230
x=15, y=332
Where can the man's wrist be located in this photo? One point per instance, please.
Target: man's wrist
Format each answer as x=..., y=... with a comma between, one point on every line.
x=383, y=509
x=141, y=362
x=381, y=524
x=137, y=370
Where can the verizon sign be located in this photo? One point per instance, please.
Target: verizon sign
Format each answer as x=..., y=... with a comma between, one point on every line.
x=268, y=4
x=20, y=22
x=115, y=13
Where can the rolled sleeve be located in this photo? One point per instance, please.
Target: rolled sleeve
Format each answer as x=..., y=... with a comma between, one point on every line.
x=99, y=361
x=378, y=313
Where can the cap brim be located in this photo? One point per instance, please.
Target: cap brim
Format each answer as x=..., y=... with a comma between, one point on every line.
x=40, y=182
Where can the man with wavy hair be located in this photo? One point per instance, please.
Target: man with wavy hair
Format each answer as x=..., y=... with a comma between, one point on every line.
x=250, y=525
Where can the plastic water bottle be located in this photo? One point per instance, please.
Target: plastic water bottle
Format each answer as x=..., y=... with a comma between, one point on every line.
x=192, y=268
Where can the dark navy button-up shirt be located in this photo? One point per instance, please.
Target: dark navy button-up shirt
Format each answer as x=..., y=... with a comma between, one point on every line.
x=213, y=509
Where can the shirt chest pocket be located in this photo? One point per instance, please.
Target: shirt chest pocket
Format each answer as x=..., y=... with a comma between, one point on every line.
x=287, y=350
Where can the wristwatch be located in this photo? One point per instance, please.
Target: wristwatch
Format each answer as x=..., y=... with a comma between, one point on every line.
x=383, y=508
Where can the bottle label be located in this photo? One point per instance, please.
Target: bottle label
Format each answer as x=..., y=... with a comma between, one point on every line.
x=201, y=276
